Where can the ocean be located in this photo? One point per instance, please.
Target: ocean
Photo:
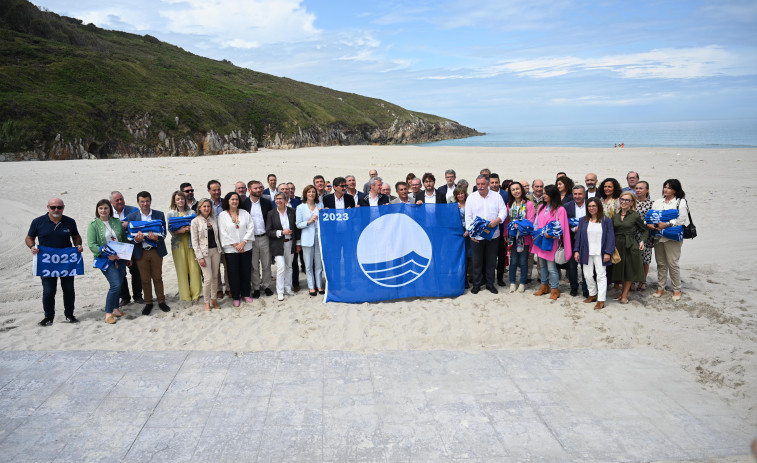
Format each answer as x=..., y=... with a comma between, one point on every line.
x=737, y=133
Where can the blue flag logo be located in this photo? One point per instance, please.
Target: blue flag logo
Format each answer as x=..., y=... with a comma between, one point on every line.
x=391, y=252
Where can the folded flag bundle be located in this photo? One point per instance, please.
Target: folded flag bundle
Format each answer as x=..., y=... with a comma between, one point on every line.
x=525, y=226
x=102, y=262
x=573, y=222
x=655, y=216
x=175, y=223
x=478, y=229
x=552, y=229
x=146, y=226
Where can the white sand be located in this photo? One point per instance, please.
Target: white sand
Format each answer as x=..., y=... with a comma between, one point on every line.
x=711, y=332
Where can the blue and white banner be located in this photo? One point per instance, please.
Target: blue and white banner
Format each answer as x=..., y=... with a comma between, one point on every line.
x=57, y=262
x=393, y=251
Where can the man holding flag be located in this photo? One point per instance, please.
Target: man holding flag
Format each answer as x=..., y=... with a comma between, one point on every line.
x=55, y=230
x=490, y=207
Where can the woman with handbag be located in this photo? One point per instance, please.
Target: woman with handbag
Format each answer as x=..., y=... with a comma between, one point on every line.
x=595, y=244
x=667, y=252
x=551, y=210
x=631, y=266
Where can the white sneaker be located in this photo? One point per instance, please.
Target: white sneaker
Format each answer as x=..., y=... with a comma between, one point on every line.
x=281, y=297
x=512, y=287
x=289, y=292
x=522, y=288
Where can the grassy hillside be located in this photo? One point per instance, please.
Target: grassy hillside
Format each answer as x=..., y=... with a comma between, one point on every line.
x=59, y=76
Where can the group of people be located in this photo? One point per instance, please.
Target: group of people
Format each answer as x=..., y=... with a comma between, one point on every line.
x=232, y=241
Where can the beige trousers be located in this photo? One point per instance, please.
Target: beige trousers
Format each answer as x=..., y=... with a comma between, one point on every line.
x=210, y=276
x=667, y=254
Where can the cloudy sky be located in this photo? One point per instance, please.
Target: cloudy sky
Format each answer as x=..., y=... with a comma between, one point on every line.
x=485, y=63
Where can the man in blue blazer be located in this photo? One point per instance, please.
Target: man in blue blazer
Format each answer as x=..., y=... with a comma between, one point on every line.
x=149, y=258
x=576, y=209
x=121, y=210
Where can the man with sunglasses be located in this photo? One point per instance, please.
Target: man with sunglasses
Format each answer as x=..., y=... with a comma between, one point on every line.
x=339, y=199
x=189, y=192
x=55, y=230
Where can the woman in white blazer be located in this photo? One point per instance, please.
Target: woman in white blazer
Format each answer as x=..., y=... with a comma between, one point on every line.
x=237, y=235
x=307, y=222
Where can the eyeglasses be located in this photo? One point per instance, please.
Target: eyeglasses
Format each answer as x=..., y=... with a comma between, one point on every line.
x=341, y=186
x=625, y=200
x=191, y=190
x=56, y=207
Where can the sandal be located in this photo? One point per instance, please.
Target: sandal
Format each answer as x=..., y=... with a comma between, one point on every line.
x=207, y=307
x=109, y=319
x=118, y=313
x=623, y=301
x=216, y=305
x=641, y=287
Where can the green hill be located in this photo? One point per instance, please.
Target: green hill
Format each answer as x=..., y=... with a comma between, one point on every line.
x=70, y=90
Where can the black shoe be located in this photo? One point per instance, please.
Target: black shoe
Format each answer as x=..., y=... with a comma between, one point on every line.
x=501, y=282
x=164, y=307
x=574, y=292
x=124, y=302
x=46, y=322
x=139, y=300
x=268, y=292
x=72, y=319
x=256, y=294
x=147, y=309
x=492, y=289
x=295, y=288
x=321, y=291
x=475, y=289
x=529, y=280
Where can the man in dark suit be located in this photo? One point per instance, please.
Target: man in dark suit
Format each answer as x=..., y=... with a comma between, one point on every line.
x=374, y=197
x=271, y=190
x=261, y=251
x=149, y=258
x=576, y=209
x=352, y=190
x=450, y=176
x=494, y=187
x=430, y=195
x=189, y=192
x=339, y=199
x=121, y=210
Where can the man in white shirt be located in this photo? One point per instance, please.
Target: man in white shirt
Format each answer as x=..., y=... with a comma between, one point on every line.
x=415, y=190
x=430, y=194
x=591, y=185
x=374, y=196
x=261, y=251
x=489, y=206
x=352, y=189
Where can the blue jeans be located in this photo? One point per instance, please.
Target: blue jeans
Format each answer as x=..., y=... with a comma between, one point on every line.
x=115, y=277
x=549, y=271
x=50, y=287
x=313, y=264
x=519, y=260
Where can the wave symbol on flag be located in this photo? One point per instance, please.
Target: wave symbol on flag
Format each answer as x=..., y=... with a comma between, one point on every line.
x=397, y=272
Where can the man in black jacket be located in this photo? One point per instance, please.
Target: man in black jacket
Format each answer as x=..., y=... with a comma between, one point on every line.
x=261, y=251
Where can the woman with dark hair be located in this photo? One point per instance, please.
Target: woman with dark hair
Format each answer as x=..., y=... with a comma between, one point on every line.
x=519, y=208
x=237, y=234
x=282, y=231
x=595, y=243
x=550, y=210
x=461, y=196
x=609, y=191
x=188, y=274
x=667, y=252
x=206, y=243
x=307, y=222
x=626, y=223
x=101, y=231
x=643, y=205
x=565, y=187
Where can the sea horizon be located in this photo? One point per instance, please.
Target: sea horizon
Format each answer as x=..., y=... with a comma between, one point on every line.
x=722, y=133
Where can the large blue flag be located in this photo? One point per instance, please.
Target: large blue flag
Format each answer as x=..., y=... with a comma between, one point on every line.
x=393, y=251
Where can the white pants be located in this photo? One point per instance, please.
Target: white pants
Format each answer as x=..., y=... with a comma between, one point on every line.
x=595, y=263
x=284, y=269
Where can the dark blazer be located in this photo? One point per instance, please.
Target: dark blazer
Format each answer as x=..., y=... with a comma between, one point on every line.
x=245, y=204
x=441, y=198
x=443, y=189
x=265, y=207
x=382, y=199
x=568, y=198
x=570, y=210
x=582, y=241
x=274, y=224
x=294, y=202
x=330, y=202
x=136, y=216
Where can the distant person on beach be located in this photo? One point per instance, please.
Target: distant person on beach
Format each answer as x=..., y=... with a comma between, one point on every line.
x=488, y=206
x=632, y=178
x=55, y=230
x=448, y=188
x=591, y=185
x=121, y=210
x=149, y=257
x=371, y=174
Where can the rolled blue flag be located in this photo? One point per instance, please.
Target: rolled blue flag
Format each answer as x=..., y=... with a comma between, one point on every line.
x=175, y=223
x=146, y=226
x=658, y=216
x=478, y=229
x=525, y=226
x=102, y=262
x=552, y=229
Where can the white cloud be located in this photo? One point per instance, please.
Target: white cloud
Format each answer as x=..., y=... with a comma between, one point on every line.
x=663, y=63
x=604, y=101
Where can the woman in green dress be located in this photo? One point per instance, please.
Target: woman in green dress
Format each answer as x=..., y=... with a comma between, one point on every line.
x=626, y=223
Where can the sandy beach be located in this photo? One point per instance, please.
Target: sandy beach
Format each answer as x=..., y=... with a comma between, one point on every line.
x=712, y=331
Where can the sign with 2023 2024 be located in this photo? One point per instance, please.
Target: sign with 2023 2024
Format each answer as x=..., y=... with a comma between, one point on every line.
x=57, y=262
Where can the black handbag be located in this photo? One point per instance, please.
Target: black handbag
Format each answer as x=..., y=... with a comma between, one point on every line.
x=690, y=230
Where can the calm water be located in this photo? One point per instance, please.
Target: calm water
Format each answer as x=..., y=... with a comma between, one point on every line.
x=741, y=133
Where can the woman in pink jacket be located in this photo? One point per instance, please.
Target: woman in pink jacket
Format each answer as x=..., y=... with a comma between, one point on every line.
x=518, y=208
x=550, y=210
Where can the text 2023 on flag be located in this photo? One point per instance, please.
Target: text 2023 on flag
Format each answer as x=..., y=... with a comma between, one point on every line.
x=57, y=262
x=392, y=252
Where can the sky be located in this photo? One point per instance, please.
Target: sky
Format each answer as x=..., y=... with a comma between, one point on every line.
x=486, y=64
